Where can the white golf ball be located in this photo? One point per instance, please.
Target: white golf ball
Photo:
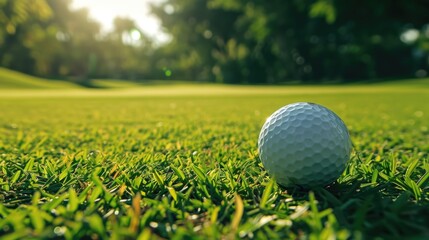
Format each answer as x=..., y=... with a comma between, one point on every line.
x=304, y=144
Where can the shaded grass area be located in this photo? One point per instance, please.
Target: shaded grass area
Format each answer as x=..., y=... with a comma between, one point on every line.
x=177, y=166
x=10, y=79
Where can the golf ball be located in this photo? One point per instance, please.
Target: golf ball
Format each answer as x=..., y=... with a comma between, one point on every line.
x=304, y=144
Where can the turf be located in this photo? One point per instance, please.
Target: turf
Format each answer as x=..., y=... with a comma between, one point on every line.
x=182, y=162
x=10, y=79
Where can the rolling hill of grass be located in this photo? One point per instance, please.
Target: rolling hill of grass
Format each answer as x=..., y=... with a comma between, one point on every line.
x=13, y=80
x=10, y=79
x=114, y=83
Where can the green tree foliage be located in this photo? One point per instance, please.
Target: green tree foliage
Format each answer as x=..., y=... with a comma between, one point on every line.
x=20, y=31
x=273, y=41
x=15, y=14
x=126, y=51
x=48, y=38
x=227, y=41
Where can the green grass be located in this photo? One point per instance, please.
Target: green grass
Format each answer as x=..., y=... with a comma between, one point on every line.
x=10, y=79
x=114, y=83
x=182, y=162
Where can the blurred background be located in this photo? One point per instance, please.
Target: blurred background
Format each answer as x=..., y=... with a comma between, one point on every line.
x=224, y=41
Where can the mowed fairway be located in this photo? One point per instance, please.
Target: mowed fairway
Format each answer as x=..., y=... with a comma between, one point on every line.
x=182, y=162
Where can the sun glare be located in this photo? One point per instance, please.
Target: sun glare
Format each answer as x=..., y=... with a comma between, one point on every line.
x=105, y=11
x=135, y=35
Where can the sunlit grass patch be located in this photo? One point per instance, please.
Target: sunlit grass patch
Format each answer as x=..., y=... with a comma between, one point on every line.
x=186, y=166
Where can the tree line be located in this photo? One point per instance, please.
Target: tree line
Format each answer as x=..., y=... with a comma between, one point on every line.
x=48, y=38
x=227, y=41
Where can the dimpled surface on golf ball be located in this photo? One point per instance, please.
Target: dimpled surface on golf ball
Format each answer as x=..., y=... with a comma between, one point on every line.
x=304, y=144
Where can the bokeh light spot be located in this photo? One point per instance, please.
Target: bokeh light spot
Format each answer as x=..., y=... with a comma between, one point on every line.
x=410, y=36
x=135, y=35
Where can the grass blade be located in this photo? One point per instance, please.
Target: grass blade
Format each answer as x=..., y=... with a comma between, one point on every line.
x=266, y=194
x=239, y=209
